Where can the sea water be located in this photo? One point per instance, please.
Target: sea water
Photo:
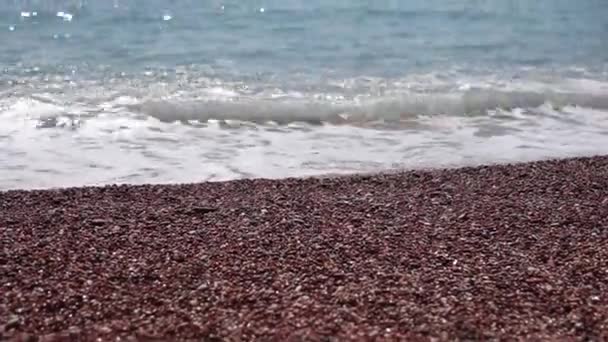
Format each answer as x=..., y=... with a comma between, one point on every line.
x=163, y=91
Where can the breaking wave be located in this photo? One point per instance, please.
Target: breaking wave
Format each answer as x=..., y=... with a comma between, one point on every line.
x=342, y=102
x=364, y=109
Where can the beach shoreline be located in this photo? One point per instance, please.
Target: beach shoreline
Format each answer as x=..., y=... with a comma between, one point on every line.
x=480, y=252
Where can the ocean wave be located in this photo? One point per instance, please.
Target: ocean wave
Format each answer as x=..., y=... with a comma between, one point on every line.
x=191, y=97
x=365, y=109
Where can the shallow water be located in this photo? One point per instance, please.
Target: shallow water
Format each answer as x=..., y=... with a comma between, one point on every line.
x=97, y=92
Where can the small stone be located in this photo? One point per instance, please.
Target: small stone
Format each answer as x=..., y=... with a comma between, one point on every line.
x=51, y=337
x=298, y=221
x=12, y=322
x=98, y=222
x=103, y=329
x=73, y=330
x=179, y=257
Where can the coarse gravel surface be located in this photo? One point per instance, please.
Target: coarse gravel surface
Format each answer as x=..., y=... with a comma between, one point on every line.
x=477, y=253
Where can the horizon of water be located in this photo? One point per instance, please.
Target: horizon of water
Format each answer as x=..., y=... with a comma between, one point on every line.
x=158, y=91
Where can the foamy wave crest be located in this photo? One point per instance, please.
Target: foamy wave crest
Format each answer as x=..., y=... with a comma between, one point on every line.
x=349, y=101
x=363, y=108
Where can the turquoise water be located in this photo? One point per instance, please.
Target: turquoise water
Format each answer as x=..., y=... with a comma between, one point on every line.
x=105, y=91
x=275, y=38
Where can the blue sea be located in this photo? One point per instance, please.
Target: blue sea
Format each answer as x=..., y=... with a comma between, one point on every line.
x=171, y=91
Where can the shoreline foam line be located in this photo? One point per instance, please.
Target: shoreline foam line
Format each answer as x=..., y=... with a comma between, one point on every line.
x=502, y=251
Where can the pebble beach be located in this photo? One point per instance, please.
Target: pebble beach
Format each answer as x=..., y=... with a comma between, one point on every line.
x=514, y=251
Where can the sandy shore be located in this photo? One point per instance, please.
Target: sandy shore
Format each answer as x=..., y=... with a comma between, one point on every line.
x=473, y=253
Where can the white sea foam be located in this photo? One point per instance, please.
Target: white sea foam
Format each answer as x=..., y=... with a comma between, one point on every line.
x=137, y=132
